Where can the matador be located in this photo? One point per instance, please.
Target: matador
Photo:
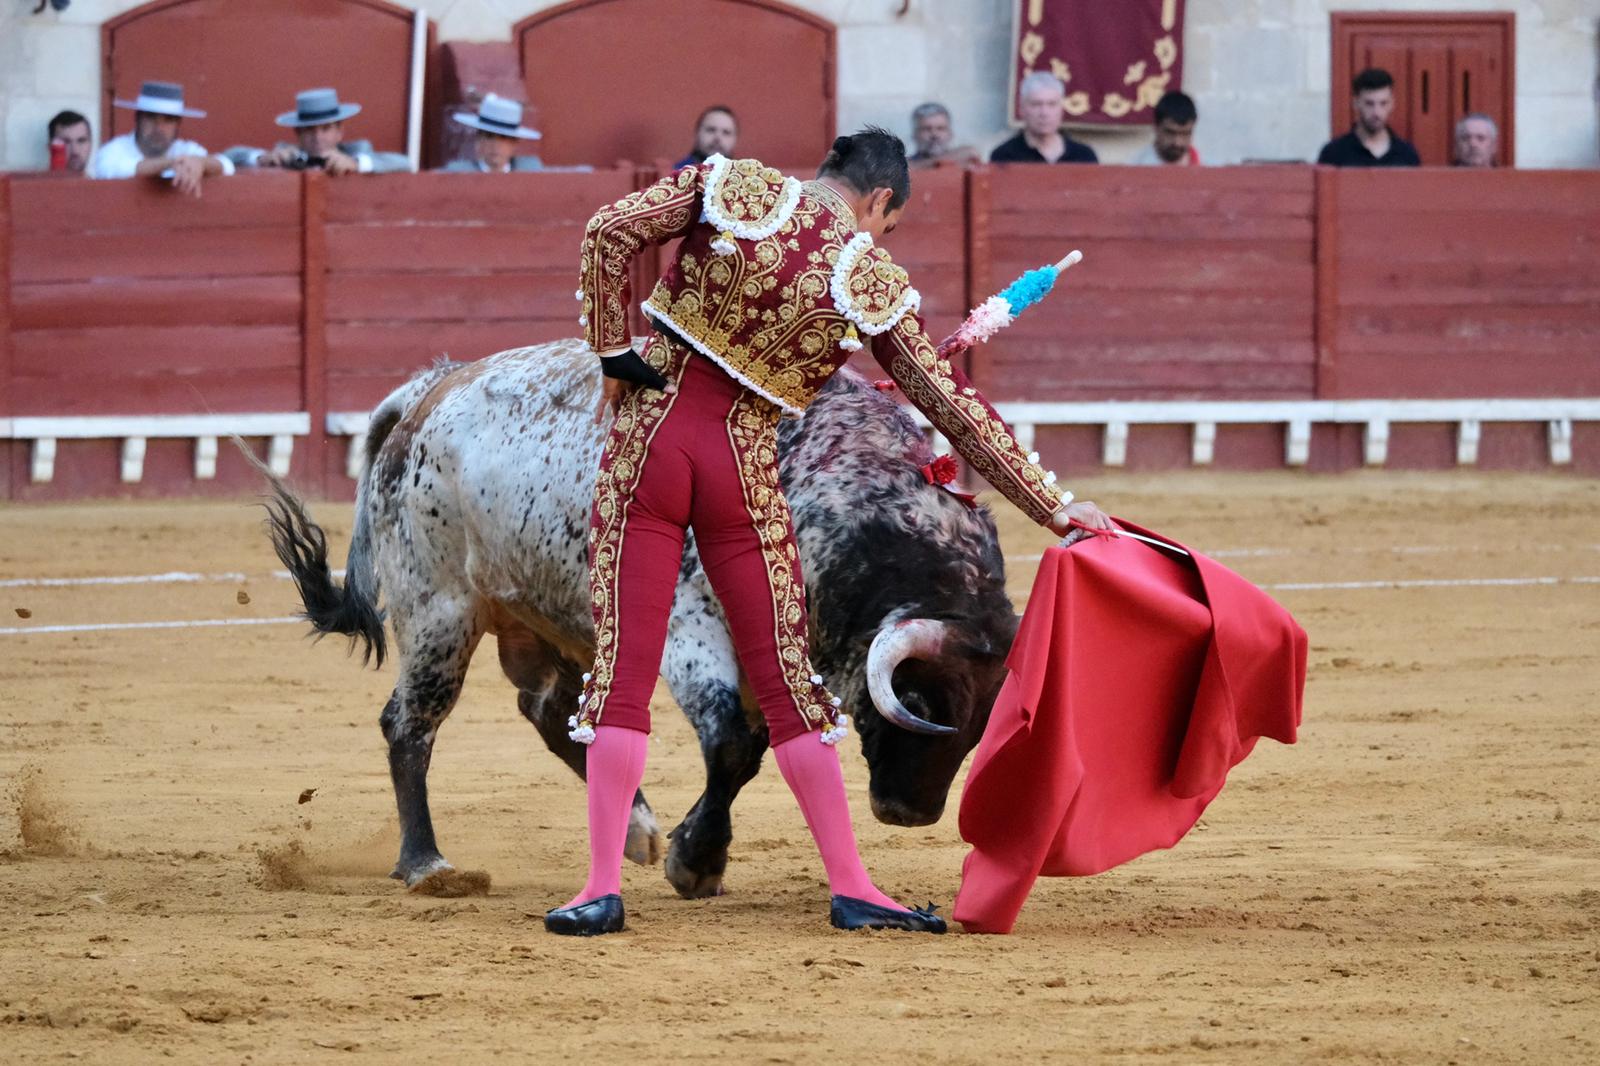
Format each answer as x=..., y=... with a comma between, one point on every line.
x=775, y=283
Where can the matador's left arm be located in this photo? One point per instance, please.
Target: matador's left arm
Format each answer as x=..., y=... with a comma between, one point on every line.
x=959, y=411
x=618, y=232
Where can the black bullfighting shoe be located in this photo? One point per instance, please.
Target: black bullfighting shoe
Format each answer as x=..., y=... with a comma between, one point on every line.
x=848, y=912
x=600, y=915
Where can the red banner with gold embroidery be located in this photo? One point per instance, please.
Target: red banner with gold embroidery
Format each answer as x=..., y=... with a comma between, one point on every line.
x=1115, y=57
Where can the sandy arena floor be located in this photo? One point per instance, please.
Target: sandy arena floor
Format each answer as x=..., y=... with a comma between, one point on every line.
x=1417, y=881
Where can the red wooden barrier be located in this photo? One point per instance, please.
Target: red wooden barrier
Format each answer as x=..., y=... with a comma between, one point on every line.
x=6, y=395
x=285, y=294
x=1449, y=283
x=462, y=265
x=930, y=243
x=1189, y=288
x=129, y=299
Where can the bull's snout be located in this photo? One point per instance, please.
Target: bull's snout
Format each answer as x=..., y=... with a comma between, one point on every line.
x=897, y=812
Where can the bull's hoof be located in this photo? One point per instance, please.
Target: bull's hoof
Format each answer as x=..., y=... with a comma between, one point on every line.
x=644, y=838
x=451, y=883
x=417, y=869
x=690, y=883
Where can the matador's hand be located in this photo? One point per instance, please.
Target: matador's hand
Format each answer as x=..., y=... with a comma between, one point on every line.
x=1085, y=514
x=625, y=372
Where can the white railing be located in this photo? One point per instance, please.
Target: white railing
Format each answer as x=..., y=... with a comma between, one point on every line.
x=1298, y=416
x=136, y=430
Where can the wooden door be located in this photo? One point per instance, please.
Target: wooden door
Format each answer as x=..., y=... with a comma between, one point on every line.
x=625, y=79
x=1444, y=67
x=242, y=61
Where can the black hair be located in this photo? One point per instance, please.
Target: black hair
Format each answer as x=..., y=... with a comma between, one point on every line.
x=65, y=119
x=712, y=111
x=1177, y=108
x=1370, y=79
x=874, y=158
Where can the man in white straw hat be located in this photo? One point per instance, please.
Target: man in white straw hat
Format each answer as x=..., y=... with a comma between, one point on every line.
x=499, y=128
x=154, y=149
x=318, y=123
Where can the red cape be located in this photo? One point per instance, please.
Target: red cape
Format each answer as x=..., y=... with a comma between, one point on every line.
x=1139, y=678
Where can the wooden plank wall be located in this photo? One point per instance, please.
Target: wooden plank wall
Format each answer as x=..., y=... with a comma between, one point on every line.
x=283, y=292
x=930, y=243
x=1464, y=283
x=457, y=265
x=6, y=395
x=1189, y=288
x=130, y=299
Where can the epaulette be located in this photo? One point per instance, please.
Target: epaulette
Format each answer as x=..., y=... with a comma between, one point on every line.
x=870, y=290
x=746, y=199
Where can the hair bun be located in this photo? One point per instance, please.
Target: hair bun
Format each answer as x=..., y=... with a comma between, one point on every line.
x=842, y=146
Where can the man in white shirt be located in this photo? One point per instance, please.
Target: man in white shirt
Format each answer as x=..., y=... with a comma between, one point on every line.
x=154, y=149
x=499, y=131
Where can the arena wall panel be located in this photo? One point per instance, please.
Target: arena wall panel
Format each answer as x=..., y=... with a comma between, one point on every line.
x=1453, y=283
x=1188, y=288
x=297, y=295
x=456, y=265
x=130, y=299
x=931, y=244
x=7, y=396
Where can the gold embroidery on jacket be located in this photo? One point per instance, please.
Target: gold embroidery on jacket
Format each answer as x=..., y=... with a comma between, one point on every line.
x=969, y=423
x=766, y=315
x=750, y=193
x=878, y=289
x=616, y=234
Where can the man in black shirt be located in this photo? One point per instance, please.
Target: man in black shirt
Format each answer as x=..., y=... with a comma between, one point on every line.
x=1042, y=139
x=1370, y=142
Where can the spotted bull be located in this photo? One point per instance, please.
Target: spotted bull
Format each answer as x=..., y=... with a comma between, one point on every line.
x=472, y=515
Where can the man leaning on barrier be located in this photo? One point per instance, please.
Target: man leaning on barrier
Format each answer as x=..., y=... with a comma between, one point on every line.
x=318, y=122
x=153, y=148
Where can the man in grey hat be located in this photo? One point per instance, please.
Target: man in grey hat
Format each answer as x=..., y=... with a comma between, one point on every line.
x=154, y=149
x=318, y=123
x=499, y=129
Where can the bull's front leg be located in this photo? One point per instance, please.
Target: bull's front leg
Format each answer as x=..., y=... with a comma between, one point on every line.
x=702, y=671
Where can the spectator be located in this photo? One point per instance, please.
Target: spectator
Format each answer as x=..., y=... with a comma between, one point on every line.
x=497, y=130
x=318, y=122
x=1477, y=137
x=932, y=132
x=1042, y=139
x=1370, y=142
x=1175, y=120
x=716, y=131
x=154, y=149
x=72, y=130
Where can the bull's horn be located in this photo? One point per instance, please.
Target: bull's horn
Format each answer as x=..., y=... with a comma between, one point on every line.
x=914, y=638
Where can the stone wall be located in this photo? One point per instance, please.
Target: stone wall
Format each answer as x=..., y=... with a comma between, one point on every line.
x=1257, y=68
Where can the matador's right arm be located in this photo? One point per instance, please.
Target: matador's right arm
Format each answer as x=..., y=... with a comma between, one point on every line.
x=618, y=232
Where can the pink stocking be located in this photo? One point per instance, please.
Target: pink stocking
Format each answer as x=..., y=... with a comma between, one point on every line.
x=615, y=768
x=812, y=770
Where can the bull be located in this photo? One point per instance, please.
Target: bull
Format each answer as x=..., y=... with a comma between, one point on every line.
x=472, y=516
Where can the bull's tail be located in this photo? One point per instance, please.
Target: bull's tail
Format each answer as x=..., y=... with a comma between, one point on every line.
x=351, y=610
